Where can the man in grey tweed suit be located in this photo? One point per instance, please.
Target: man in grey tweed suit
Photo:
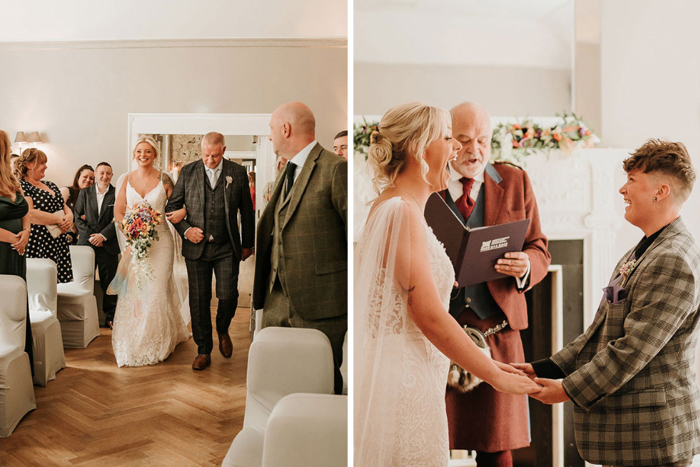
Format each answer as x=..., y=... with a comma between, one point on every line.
x=632, y=374
x=301, y=260
x=214, y=190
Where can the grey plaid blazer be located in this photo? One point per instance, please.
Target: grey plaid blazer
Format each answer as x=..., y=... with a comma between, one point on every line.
x=189, y=191
x=314, y=236
x=632, y=373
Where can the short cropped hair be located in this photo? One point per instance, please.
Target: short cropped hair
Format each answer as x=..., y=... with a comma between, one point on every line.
x=667, y=158
x=341, y=134
x=103, y=163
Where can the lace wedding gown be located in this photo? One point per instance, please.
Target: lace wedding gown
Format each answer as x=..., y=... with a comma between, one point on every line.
x=400, y=376
x=148, y=322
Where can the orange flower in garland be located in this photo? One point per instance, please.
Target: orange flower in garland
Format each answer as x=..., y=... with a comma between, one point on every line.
x=515, y=140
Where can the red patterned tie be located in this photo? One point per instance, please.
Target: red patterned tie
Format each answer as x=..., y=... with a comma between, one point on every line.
x=465, y=203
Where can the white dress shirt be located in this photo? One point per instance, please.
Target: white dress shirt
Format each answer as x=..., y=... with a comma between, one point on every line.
x=300, y=158
x=215, y=173
x=100, y=200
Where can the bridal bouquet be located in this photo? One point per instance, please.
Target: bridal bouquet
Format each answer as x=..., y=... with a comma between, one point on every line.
x=139, y=227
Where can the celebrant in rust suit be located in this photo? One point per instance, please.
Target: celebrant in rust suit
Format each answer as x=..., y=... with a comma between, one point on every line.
x=481, y=194
x=632, y=375
x=301, y=263
x=214, y=190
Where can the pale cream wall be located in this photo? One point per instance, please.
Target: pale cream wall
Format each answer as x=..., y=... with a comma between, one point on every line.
x=503, y=91
x=650, y=78
x=79, y=98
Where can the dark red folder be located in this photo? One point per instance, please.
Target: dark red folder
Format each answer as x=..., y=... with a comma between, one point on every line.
x=473, y=251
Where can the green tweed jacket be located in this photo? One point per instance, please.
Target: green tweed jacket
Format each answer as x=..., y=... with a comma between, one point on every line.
x=632, y=374
x=313, y=239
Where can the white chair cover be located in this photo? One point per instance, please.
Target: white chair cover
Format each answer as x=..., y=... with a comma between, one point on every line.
x=16, y=389
x=307, y=430
x=46, y=330
x=281, y=361
x=77, y=307
x=344, y=365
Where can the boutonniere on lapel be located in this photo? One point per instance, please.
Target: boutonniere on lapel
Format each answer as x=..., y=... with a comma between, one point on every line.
x=626, y=270
x=228, y=180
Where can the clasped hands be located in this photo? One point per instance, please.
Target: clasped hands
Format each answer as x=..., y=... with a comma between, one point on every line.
x=552, y=390
x=22, y=239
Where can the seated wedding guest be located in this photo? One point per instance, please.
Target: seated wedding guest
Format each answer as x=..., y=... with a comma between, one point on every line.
x=340, y=144
x=480, y=194
x=84, y=178
x=632, y=375
x=94, y=213
x=404, y=334
x=251, y=182
x=50, y=216
x=15, y=227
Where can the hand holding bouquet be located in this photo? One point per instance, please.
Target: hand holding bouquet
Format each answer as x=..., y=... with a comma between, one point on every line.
x=139, y=227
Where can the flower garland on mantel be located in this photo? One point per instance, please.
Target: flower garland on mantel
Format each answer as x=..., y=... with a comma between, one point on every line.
x=515, y=141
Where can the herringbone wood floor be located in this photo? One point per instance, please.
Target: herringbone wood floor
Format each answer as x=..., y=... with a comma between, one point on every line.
x=95, y=413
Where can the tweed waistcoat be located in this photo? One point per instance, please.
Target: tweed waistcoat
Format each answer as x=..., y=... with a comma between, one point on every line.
x=214, y=213
x=477, y=296
x=277, y=252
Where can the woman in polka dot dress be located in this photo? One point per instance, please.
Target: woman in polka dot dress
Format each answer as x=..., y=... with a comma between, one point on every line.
x=46, y=196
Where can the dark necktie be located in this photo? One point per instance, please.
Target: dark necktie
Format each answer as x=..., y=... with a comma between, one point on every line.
x=290, y=178
x=465, y=203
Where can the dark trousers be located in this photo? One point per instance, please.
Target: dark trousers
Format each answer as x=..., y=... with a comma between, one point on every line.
x=278, y=311
x=107, y=265
x=199, y=275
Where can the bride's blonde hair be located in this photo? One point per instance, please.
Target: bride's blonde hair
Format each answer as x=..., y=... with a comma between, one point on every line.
x=405, y=131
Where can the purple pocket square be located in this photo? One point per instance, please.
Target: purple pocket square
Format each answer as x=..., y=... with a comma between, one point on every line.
x=615, y=294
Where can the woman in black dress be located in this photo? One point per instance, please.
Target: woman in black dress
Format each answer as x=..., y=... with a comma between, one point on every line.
x=84, y=178
x=51, y=218
x=14, y=227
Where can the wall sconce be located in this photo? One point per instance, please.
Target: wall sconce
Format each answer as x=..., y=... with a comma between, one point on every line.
x=22, y=138
x=34, y=138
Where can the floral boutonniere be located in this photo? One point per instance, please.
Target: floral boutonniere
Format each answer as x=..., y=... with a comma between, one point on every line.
x=626, y=270
x=228, y=180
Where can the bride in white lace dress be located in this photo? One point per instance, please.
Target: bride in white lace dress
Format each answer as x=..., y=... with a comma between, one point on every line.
x=148, y=322
x=404, y=336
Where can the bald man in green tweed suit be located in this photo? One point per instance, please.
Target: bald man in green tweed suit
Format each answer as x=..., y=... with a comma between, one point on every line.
x=632, y=375
x=301, y=253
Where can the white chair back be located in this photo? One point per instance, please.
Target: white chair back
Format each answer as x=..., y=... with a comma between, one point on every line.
x=13, y=311
x=41, y=285
x=83, y=260
x=283, y=361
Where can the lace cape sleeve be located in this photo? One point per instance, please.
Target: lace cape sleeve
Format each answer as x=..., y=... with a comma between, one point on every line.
x=382, y=256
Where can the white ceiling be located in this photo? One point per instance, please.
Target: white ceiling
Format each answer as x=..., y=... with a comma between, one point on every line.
x=90, y=20
x=532, y=33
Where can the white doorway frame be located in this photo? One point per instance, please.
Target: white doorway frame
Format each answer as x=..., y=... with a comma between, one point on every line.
x=201, y=124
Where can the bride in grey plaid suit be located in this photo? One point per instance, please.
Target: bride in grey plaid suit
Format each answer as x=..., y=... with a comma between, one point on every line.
x=632, y=374
x=214, y=191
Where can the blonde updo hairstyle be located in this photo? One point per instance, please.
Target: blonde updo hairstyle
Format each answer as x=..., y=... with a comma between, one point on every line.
x=149, y=140
x=29, y=156
x=405, y=132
